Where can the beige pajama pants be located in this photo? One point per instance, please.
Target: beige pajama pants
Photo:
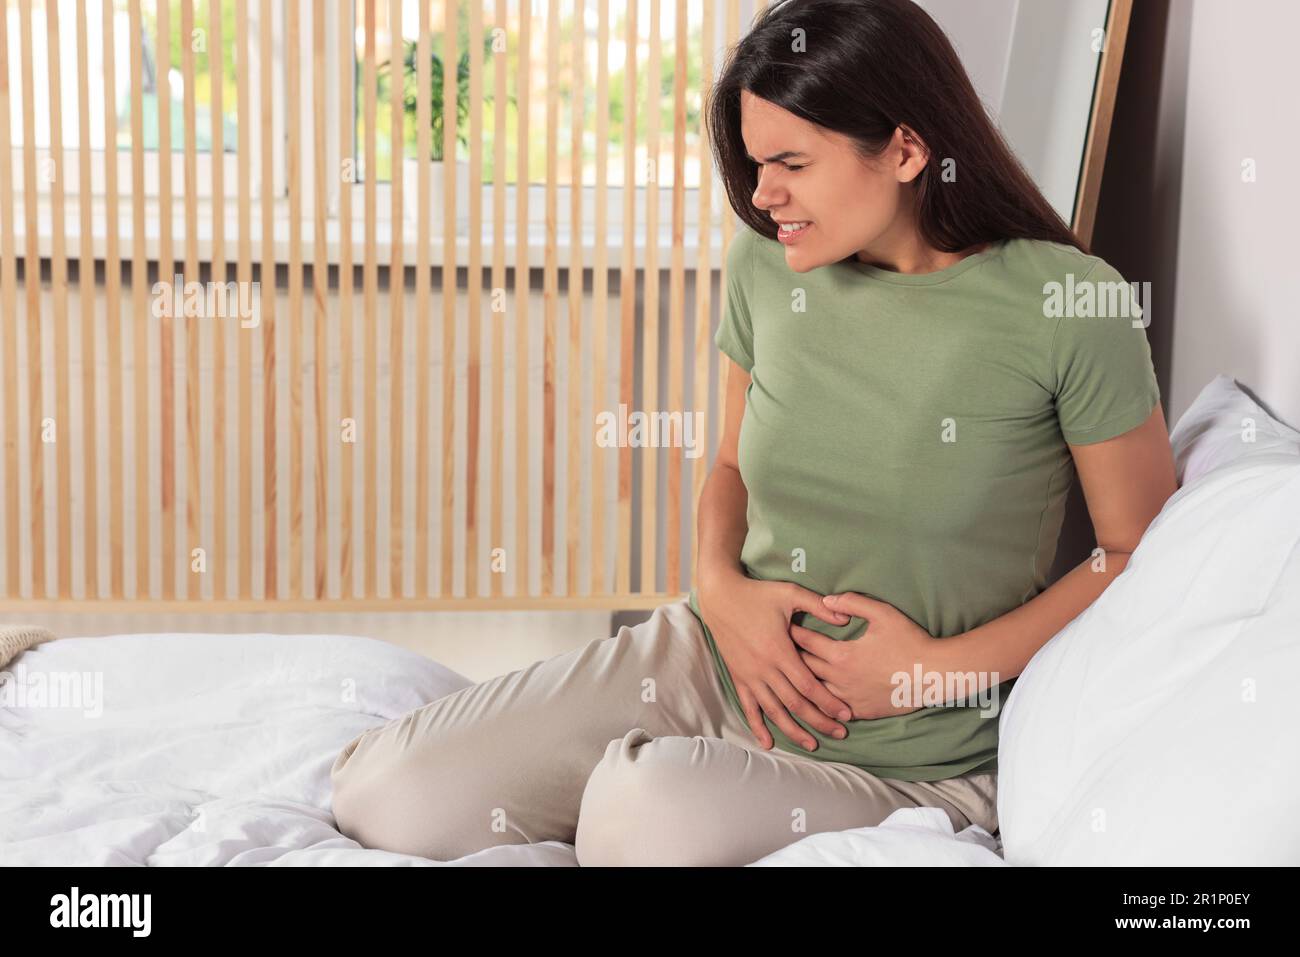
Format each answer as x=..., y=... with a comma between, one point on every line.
x=626, y=748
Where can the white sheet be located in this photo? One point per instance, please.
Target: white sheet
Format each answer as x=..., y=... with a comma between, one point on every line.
x=910, y=837
x=216, y=749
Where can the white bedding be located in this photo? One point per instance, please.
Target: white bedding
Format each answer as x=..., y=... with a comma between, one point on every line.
x=210, y=749
x=213, y=749
x=1159, y=726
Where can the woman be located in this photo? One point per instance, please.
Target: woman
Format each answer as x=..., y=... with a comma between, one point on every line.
x=906, y=408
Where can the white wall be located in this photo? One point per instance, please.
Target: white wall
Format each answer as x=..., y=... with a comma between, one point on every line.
x=1238, y=280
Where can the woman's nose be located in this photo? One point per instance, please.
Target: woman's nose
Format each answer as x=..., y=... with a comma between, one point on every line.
x=767, y=192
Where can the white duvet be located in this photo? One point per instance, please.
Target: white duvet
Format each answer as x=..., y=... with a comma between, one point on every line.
x=214, y=749
x=210, y=749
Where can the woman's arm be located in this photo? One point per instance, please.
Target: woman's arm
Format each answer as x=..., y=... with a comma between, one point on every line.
x=1126, y=482
x=723, y=499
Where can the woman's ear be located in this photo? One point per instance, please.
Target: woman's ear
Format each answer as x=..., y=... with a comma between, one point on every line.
x=913, y=154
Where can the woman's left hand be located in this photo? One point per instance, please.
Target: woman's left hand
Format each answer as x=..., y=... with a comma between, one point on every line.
x=861, y=671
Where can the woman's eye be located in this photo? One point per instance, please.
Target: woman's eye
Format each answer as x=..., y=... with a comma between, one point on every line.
x=794, y=168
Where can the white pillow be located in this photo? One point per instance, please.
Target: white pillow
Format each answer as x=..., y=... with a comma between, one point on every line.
x=1221, y=426
x=1159, y=726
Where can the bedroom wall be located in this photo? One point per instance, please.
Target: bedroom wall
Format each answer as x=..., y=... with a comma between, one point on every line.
x=1205, y=87
x=1205, y=92
x=1238, y=283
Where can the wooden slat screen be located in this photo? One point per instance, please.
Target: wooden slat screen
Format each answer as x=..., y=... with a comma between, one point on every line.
x=420, y=443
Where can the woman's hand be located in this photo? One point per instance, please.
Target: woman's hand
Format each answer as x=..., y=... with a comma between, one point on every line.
x=861, y=670
x=750, y=623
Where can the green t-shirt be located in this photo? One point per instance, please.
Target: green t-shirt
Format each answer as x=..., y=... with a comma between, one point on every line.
x=905, y=437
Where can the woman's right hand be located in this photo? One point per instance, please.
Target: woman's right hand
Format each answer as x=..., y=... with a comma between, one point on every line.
x=750, y=622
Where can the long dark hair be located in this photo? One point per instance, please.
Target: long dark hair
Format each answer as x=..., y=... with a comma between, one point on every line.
x=863, y=68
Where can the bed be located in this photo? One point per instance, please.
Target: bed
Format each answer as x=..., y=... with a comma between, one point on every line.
x=1156, y=728
x=215, y=749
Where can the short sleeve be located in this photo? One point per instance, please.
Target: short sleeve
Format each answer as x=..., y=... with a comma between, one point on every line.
x=735, y=335
x=1101, y=360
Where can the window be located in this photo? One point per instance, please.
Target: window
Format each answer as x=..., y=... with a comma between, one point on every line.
x=508, y=40
x=41, y=99
x=503, y=40
x=211, y=46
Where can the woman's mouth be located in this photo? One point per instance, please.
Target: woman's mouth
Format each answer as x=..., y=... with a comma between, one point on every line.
x=792, y=232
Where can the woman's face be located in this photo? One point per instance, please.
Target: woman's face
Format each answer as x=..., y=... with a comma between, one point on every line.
x=807, y=173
